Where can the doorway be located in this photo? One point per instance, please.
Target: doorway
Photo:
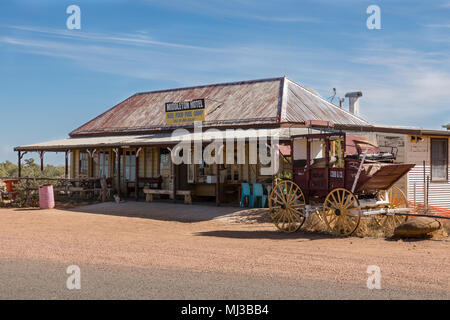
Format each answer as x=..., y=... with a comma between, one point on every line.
x=182, y=177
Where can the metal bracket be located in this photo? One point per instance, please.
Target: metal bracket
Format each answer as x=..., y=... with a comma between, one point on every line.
x=91, y=153
x=138, y=151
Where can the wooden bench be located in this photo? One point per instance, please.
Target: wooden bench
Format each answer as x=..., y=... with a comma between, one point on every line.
x=143, y=180
x=150, y=192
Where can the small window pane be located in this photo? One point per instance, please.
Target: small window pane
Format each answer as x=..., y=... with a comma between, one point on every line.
x=84, y=163
x=439, y=155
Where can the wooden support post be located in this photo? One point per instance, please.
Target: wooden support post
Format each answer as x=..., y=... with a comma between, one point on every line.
x=119, y=155
x=19, y=166
x=19, y=162
x=91, y=167
x=66, y=165
x=217, y=185
x=136, y=175
x=424, y=187
x=41, y=156
x=92, y=162
x=327, y=162
x=174, y=182
x=117, y=152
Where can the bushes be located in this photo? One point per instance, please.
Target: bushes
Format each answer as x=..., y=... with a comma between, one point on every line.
x=28, y=189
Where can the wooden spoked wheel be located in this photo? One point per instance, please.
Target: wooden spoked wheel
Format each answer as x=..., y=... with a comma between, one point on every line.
x=397, y=199
x=341, y=212
x=287, y=206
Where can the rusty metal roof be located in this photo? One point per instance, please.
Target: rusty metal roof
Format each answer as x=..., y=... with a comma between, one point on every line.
x=302, y=104
x=256, y=102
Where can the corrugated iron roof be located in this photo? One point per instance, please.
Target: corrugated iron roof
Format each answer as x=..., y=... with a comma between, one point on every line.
x=264, y=101
x=248, y=102
x=302, y=104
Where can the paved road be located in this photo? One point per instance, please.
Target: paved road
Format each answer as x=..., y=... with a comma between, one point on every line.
x=47, y=280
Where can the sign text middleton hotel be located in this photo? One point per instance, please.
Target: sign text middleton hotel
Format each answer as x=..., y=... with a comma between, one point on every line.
x=185, y=112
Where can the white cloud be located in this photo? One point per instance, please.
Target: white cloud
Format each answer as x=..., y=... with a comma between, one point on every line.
x=442, y=25
x=136, y=39
x=401, y=86
x=268, y=11
x=128, y=55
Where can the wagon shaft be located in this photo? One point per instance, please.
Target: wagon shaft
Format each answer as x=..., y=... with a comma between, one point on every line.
x=386, y=211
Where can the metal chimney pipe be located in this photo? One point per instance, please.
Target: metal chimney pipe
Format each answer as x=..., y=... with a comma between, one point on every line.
x=353, y=103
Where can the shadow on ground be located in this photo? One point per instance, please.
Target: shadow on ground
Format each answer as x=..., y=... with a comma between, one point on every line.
x=264, y=234
x=172, y=211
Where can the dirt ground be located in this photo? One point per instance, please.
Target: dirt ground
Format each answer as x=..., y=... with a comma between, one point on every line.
x=210, y=239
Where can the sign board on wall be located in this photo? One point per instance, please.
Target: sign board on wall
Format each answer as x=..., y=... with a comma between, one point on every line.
x=185, y=112
x=164, y=164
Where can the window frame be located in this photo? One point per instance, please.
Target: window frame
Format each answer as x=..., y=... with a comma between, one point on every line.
x=127, y=168
x=104, y=164
x=83, y=159
x=445, y=140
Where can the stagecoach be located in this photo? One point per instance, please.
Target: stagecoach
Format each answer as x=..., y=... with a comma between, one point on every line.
x=340, y=182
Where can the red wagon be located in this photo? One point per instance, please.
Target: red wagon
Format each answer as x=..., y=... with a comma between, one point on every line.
x=339, y=185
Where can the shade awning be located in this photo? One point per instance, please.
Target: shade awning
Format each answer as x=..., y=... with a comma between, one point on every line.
x=160, y=139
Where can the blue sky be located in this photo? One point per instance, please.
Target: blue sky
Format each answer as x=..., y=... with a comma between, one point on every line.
x=53, y=79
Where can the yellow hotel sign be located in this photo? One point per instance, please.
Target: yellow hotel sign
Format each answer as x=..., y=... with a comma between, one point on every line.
x=185, y=112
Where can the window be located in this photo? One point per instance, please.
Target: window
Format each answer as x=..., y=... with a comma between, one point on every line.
x=103, y=164
x=84, y=163
x=439, y=159
x=129, y=163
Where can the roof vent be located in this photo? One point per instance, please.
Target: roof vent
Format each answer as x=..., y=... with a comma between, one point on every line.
x=353, y=103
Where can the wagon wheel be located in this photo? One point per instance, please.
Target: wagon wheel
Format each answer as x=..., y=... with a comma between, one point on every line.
x=287, y=206
x=397, y=199
x=341, y=212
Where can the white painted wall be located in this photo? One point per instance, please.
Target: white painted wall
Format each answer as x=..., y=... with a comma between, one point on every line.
x=439, y=192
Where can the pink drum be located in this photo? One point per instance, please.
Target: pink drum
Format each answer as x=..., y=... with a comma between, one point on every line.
x=46, y=198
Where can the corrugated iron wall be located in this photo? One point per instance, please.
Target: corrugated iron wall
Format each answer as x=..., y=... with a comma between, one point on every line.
x=439, y=192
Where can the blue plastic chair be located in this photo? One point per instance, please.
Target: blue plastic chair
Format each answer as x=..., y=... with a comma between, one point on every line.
x=258, y=192
x=245, y=192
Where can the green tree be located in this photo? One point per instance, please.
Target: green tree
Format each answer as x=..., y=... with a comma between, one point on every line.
x=8, y=169
x=30, y=169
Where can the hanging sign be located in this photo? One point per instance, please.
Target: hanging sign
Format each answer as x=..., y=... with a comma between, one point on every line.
x=185, y=112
